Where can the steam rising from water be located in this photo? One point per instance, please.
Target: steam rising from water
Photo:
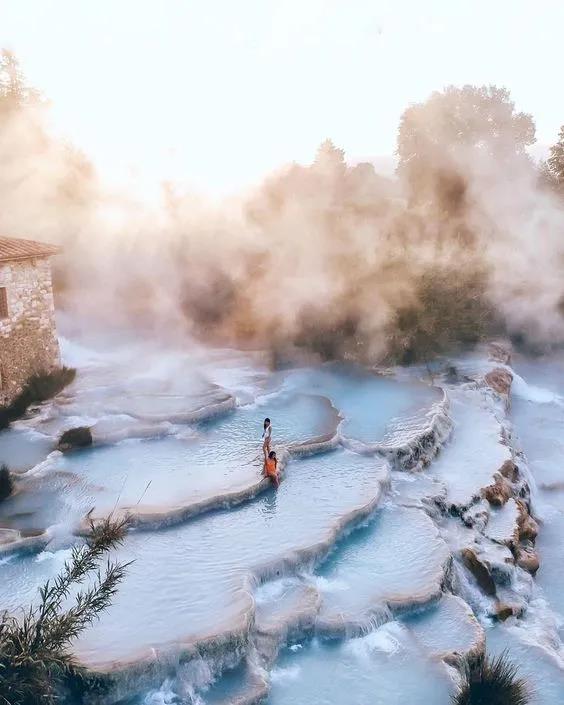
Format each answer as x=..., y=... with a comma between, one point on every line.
x=330, y=257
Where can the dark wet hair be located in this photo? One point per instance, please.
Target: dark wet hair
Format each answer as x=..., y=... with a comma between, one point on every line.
x=272, y=454
x=267, y=420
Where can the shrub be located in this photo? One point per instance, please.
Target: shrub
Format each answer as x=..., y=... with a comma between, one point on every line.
x=80, y=437
x=6, y=482
x=38, y=388
x=487, y=681
x=36, y=664
x=449, y=311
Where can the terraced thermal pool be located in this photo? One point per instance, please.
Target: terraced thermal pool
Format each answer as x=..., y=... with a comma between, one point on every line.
x=355, y=581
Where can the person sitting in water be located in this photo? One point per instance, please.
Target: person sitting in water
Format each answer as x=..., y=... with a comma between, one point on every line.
x=271, y=468
x=266, y=437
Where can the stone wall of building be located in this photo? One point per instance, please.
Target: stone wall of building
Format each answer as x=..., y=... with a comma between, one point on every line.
x=28, y=338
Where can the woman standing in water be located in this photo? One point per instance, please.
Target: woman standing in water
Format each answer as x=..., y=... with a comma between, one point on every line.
x=266, y=437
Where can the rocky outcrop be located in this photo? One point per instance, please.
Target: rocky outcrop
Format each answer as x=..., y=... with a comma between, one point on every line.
x=504, y=611
x=499, y=492
x=499, y=379
x=510, y=471
x=528, y=527
x=500, y=352
x=479, y=571
x=477, y=515
x=527, y=559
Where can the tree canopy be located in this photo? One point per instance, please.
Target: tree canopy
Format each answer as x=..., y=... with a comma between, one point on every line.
x=14, y=91
x=453, y=126
x=554, y=165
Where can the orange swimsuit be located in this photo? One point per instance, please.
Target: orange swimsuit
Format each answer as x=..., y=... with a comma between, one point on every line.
x=270, y=468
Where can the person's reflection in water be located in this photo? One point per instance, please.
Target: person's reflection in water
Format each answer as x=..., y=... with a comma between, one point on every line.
x=270, y=504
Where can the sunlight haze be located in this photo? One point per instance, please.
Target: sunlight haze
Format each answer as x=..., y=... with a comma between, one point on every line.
x=213, y=95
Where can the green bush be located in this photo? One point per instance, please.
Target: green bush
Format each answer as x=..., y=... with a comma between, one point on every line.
x=79, y=437
x=36, y=663
x=38, y=388
x=448, y=311
x=491, y=681
x=6, y=482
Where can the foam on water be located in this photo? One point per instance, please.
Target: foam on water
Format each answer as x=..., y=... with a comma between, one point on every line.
x=540, y=426
x=532, y=393
x=382, y=668
x=387, y=639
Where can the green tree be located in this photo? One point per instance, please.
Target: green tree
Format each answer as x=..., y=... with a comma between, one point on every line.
x=330, y=158
x=553, y=168
x=438, y=136
x=14, y=91
x=36, y=663
x=448, y=310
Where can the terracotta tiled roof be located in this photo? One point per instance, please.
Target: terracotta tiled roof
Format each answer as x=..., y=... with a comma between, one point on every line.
x=15, y=248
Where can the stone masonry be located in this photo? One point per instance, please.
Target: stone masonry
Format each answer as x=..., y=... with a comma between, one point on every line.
x=28, y=338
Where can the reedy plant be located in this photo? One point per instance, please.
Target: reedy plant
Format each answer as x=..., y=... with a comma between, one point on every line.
x=36, y=660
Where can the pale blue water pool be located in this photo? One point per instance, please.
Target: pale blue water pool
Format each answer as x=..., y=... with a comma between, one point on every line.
x=20, y=450
x=369, y=403
x=383, y=668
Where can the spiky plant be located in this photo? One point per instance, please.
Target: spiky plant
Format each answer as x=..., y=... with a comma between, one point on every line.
x=6, y=482
x=492, y=681
x=36, y=661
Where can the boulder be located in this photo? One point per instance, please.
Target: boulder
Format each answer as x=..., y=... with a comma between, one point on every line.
x=528, y=527
x=499, y=560
x=477, y=515
x=498, y=493
x=479, y=571
x=510, y=471
x=499, y=380
x=528, y=560
x=500, y=352
x=80, y=437
x=503, y=611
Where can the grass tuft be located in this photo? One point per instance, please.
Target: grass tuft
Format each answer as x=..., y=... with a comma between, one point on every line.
x=492, y=681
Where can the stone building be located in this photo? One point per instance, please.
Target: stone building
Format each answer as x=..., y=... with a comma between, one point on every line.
x=28, y=338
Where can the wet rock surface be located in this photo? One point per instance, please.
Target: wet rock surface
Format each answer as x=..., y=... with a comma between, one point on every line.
x=479, y=570
x=499, y=380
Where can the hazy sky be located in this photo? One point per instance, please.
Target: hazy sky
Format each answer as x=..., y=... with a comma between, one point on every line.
x=214, y=93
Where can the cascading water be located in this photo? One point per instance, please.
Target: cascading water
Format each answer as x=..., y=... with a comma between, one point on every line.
x=356, y=581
